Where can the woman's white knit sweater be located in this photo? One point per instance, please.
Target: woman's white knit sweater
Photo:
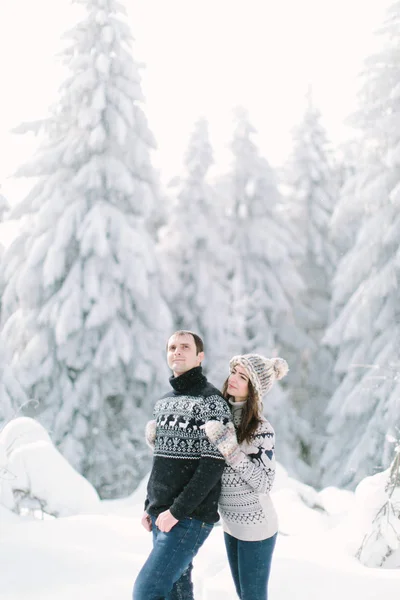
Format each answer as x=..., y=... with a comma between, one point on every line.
x=245, y=506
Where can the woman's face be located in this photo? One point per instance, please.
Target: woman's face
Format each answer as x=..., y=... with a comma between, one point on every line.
x=238, y=383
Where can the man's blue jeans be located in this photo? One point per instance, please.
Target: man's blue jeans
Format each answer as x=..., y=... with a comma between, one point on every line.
x=166, y=575
x=250, y=564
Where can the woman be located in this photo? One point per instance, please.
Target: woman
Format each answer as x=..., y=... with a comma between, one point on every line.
x=248, y=516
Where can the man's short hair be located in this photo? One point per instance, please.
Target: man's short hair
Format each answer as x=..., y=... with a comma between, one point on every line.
x=197, y=339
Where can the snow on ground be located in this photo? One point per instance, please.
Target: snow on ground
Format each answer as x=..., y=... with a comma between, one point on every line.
x=97, y=556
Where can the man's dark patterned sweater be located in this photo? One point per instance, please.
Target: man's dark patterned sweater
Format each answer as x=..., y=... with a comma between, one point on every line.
x=187, y=468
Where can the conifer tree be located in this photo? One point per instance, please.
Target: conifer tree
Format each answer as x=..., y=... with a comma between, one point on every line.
x=83, y=317
x=364, y=409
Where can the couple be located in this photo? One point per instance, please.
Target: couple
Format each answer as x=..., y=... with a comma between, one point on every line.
x=211, y=450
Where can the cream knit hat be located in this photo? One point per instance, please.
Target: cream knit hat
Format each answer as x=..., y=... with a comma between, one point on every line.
x=262, y=371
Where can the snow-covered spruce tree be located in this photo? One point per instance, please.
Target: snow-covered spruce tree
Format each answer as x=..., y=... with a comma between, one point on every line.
x=265, y=282
x=195, y=259
x=83, y=316
x=381, y=544
x=345, y=221
x=12, y=397
x=364, y=410
x=5, y=400
x=313, y=190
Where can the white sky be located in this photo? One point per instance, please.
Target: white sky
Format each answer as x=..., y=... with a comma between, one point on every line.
x=202, y=57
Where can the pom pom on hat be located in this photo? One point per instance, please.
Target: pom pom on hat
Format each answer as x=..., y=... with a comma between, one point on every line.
x=281, y=367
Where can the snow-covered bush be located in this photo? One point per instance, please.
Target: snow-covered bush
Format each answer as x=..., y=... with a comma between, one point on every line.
x=35, y=478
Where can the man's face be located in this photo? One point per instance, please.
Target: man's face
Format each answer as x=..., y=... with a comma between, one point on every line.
x=181, y=354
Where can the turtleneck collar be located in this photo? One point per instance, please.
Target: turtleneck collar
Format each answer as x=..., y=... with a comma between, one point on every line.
x=237, y=411
x=186, y=381
x=237, y=404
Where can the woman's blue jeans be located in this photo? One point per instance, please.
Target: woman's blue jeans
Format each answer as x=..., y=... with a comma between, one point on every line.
x=250, y=564
x=166, y=575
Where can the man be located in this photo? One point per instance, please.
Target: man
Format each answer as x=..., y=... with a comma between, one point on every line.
x=184, y=484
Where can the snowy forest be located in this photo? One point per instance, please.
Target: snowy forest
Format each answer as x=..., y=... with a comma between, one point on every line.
x=301, y=261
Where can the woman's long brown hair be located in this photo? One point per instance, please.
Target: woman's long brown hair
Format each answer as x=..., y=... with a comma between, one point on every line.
x=250, y=415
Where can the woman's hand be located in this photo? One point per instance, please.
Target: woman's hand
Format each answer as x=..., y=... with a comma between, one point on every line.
x=224, y=438
x=150, y=433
